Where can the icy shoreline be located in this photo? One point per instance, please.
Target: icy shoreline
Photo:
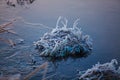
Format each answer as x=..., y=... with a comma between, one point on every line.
x=64, y=41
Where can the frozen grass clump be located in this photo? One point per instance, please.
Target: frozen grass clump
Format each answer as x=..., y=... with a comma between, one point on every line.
x=64, y=41
x=106, y=71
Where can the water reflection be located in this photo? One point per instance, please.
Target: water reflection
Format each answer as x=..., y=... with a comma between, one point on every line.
x=59, y=59
x=13, y=3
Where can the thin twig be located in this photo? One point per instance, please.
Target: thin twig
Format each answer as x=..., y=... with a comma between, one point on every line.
x=7, y=24
x=12, y=55
x=33, y=24
x=49, y=76
x=43, y=66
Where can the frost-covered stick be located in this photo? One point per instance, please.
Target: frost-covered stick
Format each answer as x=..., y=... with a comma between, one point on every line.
x=33, y=24
x=64, y=23
x=75, y=23
x=58, y=22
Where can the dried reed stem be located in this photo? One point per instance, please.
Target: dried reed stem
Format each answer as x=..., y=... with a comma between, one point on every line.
x=43, y=66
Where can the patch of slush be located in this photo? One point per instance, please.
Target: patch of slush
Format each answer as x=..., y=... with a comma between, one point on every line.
x=64, y=41
x=106, y=71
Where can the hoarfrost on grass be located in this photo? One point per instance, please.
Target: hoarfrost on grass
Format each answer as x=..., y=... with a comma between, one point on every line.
x=63, y=41
x=106, y=71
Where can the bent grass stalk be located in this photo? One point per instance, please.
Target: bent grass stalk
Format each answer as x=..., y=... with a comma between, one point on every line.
x=43, y=66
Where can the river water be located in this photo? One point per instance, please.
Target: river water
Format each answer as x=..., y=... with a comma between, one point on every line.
x=98, y=18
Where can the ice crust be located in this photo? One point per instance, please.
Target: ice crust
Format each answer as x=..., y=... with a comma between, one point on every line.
x=106, y=71
x=64, y=41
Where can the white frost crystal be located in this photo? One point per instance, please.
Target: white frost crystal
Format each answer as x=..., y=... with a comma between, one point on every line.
x=63, y=41
x=106, y=71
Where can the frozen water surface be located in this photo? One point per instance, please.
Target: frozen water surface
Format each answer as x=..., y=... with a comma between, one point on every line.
x=98, y=18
